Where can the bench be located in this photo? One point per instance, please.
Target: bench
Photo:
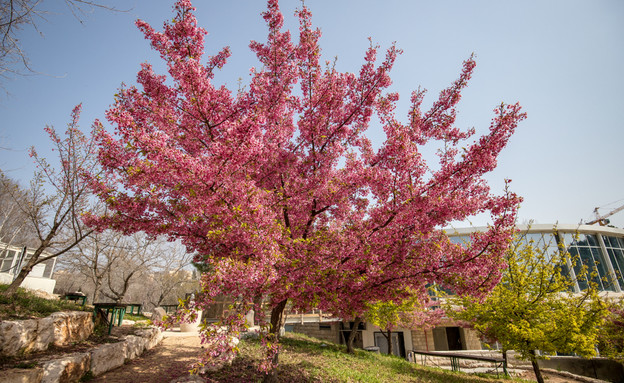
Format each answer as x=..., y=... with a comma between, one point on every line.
x=75, y=297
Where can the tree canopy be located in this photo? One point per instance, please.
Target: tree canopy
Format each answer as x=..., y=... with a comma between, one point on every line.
x=278, y=189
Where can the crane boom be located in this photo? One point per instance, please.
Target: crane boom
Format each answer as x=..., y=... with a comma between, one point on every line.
x=602, y=220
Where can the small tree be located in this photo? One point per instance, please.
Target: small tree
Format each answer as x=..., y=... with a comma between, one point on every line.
x=532, y=308
x=171, y=278
x=412, y=313
x=57, y=197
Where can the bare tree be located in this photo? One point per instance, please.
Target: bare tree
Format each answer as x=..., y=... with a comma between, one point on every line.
x=57, y=197
x=172, y=277
x=136, y=255
x=14, y=226
x=16, y=15
x=93, y=258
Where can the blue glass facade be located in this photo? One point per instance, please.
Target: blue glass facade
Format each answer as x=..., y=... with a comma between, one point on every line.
x=596, y=252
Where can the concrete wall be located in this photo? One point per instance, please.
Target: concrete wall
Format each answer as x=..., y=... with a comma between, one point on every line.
x=32, y=283
x=319, y=330
x=598, y=368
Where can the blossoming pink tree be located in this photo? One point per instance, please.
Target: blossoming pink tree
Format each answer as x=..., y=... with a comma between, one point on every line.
x=277, y=187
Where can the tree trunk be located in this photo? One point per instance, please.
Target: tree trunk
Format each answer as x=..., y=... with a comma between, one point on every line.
x=536, y=369
x=96, y=291
x=352, y=334
x=505, y=363
x=277, y=322
x=389, y=339
x=277, y=318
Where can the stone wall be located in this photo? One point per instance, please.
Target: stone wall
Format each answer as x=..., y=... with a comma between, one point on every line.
x=329, y=331
x=60, y=329
x=72, y=367
x=422, y=340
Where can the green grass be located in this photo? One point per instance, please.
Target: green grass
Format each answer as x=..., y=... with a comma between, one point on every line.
x=305, y=359
x=135, y=318
x=26, y=305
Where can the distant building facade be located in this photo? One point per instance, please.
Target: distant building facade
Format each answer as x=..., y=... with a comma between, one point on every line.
x=13, y=258
x=599, y=248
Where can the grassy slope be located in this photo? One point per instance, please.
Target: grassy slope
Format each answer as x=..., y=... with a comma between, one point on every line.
x=26, y=305
x=305, y=359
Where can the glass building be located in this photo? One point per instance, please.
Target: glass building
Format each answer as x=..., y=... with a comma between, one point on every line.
x=599, y=249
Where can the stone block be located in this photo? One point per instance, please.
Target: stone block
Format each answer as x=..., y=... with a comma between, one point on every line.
x=153, y=336
x=74, y=326
x=18, y=375
x=67, y=369
x=135, y=345
x=45, y=333
x=17, y=336
x=107, y=356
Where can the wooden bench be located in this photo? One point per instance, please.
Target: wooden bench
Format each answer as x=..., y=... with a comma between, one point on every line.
x=454, y=357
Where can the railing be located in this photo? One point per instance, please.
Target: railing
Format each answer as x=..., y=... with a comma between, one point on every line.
x=455, y=357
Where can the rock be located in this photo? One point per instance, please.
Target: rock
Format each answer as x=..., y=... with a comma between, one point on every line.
x=17, y=336
x=73, y=326
x=19, y=375
x=107, y=356
x=153, y=336
x=250, y=318
x=127, y=322
x=67, y=369
x=158, y=314
x=135, y=346
x=45, y=333
x=29, y=335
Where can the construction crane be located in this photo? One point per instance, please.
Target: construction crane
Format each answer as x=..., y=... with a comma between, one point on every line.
x=602, y=219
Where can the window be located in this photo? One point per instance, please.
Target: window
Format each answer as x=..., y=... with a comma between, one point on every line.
x=7, y=261
x=615, y=250
x=585, y=252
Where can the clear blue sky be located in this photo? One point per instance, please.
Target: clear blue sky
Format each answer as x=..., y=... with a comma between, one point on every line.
x=563, y=60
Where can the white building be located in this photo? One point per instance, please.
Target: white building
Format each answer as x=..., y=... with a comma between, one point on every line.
x=13, y=258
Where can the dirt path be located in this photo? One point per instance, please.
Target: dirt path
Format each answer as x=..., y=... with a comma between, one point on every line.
x=167, y=361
